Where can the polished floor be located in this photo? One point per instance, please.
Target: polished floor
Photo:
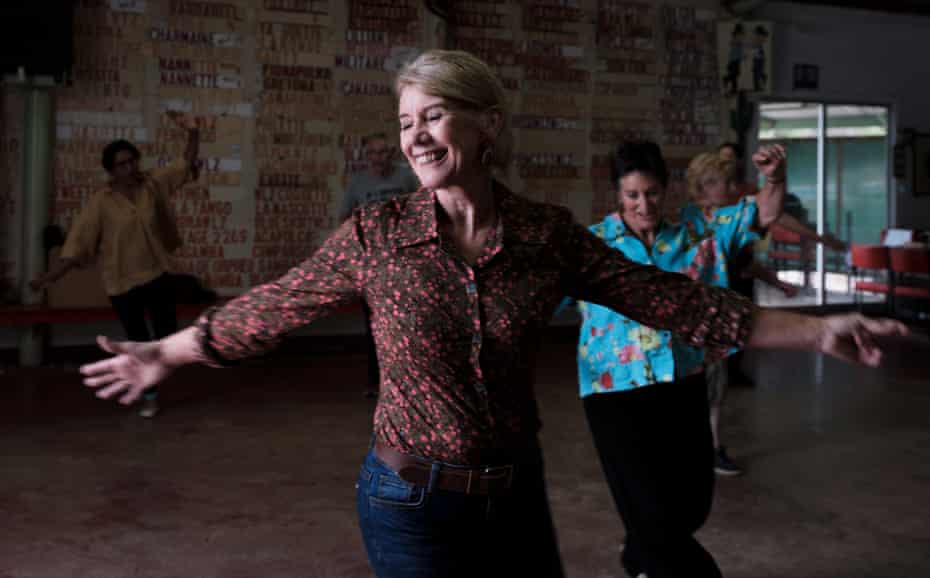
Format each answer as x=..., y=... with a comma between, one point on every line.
x=250, y=471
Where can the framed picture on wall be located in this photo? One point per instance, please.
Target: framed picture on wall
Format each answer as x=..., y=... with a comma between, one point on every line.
x=744, y=56
x=921, y=164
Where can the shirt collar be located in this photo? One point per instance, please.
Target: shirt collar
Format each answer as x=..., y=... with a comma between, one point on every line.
x=615, y=227
x=520, y=221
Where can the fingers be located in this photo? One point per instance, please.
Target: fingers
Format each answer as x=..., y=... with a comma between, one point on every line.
x=99, y=368
x=884, y=326
x=132, y=394
x=767, y=154
x=113, y=389
x=102, y=379
x=869, y=353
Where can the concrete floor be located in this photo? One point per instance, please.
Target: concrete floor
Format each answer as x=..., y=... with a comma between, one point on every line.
x=249, y=472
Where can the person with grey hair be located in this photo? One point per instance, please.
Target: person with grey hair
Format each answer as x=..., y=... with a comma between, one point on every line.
x=381, y=181
x=462, y=276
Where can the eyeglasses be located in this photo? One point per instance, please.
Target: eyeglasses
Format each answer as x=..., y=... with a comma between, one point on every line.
x=124, y=163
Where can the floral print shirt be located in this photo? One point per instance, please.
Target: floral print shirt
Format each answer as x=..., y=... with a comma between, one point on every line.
x=616, y=353
x=456, y=342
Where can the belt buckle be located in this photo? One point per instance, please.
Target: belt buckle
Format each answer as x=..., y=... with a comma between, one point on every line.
x=506, y=472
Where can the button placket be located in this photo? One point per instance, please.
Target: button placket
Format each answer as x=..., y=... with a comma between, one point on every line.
x=471, y=291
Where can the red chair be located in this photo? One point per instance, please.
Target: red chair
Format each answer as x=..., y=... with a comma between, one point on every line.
x=787, y=248
x=911, y=267
x=873, y=258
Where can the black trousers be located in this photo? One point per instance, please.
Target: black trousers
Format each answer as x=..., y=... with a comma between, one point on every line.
x=155, y=297
x=657, y=453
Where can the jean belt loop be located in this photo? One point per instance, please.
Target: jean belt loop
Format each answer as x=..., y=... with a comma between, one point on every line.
x=433, y=477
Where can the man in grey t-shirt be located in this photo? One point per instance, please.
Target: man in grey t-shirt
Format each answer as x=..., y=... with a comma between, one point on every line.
x=381, y=181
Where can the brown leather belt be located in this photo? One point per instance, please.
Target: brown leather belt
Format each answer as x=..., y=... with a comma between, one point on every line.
x=413, y=470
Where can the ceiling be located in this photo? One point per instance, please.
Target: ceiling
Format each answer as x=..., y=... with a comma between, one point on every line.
x=917, y=7
x=899, y=6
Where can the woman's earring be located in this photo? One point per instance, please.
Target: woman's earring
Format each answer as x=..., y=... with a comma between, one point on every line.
x=487, y=156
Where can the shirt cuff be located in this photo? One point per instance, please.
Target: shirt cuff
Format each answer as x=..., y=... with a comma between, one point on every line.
x=209, y=355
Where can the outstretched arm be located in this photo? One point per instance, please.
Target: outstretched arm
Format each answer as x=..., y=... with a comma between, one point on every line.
x=849, y=337
x=136, y=367
x=192, y=148
x=249, y=325
x=756, y=270
x=713, y=318
x=793, y=224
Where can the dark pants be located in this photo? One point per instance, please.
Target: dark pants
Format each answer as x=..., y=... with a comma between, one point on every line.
x=657, y=452
x=413, y=531
x=374, y=378
x=155, y=297
x=746, y=288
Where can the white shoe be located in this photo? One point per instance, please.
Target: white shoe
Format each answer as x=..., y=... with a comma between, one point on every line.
x=149, y=408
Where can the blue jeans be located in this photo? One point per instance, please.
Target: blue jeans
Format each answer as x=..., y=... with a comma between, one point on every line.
x=413, y=531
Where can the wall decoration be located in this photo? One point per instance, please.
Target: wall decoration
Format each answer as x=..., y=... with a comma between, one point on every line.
x=744, y=55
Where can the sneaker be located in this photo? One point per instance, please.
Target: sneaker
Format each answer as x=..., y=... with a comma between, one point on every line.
x=149, y=408
x=723, y=465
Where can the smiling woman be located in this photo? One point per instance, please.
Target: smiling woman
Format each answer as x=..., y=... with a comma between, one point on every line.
x=461, y=277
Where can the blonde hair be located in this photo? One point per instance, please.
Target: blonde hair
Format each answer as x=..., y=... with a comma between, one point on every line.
x=465, y=81
x=704, y=165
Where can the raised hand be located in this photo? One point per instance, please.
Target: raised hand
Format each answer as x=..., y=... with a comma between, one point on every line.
x=771, y=161
x=182, y=119
x=852, y=337
x=134, y=368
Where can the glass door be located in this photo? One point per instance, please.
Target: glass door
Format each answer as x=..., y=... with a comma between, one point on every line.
x=838, y=188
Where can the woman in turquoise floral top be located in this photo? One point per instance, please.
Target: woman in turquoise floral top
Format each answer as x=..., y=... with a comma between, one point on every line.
x=644, y=393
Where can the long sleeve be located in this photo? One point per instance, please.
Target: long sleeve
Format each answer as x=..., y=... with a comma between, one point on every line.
x=256, y=321
x=701, y=315
x=84, y=237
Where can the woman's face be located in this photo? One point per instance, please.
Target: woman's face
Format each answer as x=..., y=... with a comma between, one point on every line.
x=715, y=189
x=125, y=167
x=442, y=144
x=641, y=196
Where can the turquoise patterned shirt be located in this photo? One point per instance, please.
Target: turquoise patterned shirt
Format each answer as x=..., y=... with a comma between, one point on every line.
x=616, y=353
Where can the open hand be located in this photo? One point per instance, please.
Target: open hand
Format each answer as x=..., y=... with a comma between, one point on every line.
x=771, y=161
x=852, y=337
x=134, y=368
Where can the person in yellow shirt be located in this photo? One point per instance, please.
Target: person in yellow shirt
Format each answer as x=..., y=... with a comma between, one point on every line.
x=130, y=228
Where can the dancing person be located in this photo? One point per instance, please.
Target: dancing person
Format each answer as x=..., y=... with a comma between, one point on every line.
x=645, y=396
x=745, y=269
x=462, y=276
x=129, y=227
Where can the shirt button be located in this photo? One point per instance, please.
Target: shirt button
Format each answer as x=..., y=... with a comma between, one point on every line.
x=471, y=289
